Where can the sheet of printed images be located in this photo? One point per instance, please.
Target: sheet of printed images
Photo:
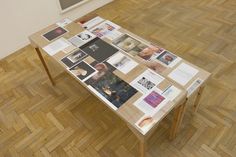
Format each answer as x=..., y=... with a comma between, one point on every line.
x=99, y=76
x=150, y=53
x=81, y=38
x=107, y=29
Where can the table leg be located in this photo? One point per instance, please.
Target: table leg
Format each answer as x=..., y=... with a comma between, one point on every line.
x=142, y=147
x=44, y=65
x=177, y=120
x=198, y=97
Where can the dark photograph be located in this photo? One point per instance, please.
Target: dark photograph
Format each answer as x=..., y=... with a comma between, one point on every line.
x=99, y=49
x=110, y=86
x=83, y=71
x=53, y=34
x=74, y=58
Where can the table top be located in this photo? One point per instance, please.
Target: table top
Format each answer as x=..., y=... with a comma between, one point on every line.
x=119, y=75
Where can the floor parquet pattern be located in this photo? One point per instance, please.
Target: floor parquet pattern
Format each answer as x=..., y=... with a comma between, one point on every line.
x=39, y=120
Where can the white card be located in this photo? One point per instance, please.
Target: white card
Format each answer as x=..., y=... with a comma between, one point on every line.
x=183, y=74
x=89, y=24
x=171, y=92
x=113, y=35
x=146, y=81
x=122, y=62
x=56, y=46
x=64, y=22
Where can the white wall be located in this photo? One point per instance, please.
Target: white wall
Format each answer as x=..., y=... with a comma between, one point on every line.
x=20, y=18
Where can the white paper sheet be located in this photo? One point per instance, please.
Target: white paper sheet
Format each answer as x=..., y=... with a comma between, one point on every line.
x=64, y=22
x=122, y=62
x=194, y=86
x=155, y=104
x=56, y=46
x=183, y=74
x=171, y=92
x=91, y=23
x=81, y=38
x=113, y=35
x=146, y=81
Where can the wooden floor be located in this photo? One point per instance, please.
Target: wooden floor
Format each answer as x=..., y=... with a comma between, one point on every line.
x=39, y=120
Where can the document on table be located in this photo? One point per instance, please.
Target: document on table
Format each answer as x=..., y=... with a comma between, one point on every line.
x=56, y=46
x=146, y=81
x=183, y=74
x=89, y=24
x=64, y=22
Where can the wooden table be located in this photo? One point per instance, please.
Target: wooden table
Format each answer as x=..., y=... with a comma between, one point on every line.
x=127, y=112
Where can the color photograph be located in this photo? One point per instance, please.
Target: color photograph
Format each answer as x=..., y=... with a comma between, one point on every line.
x=82, y=71
x=104, y=28
x=151, y=102
x=150, y=52
x=110, y=86
x=168, y=58
x=74, y=58
x=145, y=123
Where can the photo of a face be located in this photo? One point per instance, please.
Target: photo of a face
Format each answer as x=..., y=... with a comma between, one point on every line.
x=166, y=57
x=154, y=99
x=104, y=28
x=129, y=44
x=155, y=66
x=74, y=58
x=148, y=52
x=82, y=71
x=55, y=33
x=86, y=36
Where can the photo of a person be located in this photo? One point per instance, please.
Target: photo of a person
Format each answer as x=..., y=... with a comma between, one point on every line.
x=110, y=86
x=74, y=58
x=83, y=71
x=166, y=57
x=148, y=52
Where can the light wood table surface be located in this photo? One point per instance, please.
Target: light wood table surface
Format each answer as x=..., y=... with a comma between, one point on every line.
x=128, y=112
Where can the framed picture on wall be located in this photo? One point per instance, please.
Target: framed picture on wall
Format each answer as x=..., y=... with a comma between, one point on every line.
x=66, y=5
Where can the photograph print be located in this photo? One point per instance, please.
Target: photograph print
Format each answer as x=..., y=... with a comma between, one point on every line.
x=74, y=58
x=104, y=28
x=82, y=71
x=151, y=102
x=150, y=52
x=129, y=44
x=110, y=87
x=122, y=62
x=99, y=49
x=82, y=38
x=168, y=58
x=55, y=33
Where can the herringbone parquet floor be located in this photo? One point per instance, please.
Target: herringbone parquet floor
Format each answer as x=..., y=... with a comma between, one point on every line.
x=39, y=120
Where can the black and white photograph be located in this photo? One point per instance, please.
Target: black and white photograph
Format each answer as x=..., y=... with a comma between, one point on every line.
x=82, y=38
x=74, y=58
x=82, y=71
x=99, y=49
x=129, y=44
x=146, y=81
x=122, y=62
